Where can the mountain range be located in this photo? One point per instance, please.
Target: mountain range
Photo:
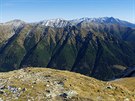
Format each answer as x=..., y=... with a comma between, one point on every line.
x=59, y=22
x=97, y=47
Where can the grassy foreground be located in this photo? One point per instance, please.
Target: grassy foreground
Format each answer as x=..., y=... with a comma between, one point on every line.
x=43, y=84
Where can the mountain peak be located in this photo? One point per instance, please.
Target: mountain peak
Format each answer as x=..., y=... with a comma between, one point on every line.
x=57, y=19
x=15, y=23
x=55, y=22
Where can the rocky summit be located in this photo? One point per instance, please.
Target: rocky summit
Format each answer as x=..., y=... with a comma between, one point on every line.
x=42, y=84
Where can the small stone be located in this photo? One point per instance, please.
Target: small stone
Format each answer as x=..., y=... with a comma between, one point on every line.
x=16, y=98
x=71, y=93
x=61, y=83
x=48, y=91
x=110, y=87
x=48, y=81
x=122, y=91
x=127, y=99
x=34, y=82
x=1, y=92
x=99, y=98
x=19, y=88
x=2, y=87
x=29, y=71
x=1, y=99
x=24, y=89
x=47, y=85
x=13, y=89
x=47, y=75
x=64, y=95
x=98, y=90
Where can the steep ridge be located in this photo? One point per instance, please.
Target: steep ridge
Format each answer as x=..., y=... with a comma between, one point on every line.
x=32, y=47
x=98, y=56
x=82, y=50
x=54, y=57
x=90, y=48
x=11, y=56
x=10, y=40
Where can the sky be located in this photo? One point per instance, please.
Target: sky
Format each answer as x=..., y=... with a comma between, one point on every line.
x=37, y=10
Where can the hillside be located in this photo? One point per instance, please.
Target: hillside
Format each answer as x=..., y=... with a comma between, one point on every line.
x=100, y=48
x=126, y=82
x=43, y=84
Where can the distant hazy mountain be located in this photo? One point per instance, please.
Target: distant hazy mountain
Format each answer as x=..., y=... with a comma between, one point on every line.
x=105, y=20
x=91, y=46
x=62, y=23
x=15, y=23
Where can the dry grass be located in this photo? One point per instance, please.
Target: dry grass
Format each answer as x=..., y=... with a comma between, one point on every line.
x=36, y=81
x=129, y=83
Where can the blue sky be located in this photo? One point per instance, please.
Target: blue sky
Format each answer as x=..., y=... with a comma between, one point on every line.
x=36, y=10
